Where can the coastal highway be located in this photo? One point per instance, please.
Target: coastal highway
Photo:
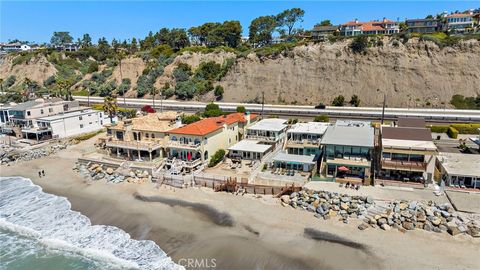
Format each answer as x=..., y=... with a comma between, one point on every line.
x=368, y=113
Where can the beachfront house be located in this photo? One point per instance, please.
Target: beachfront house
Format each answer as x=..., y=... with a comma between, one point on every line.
x=408, y=152
x=460, y=22
x=143, y=138
x=24, y=115
x=423, y=26
x=348, y=147
x=5, y=114
x=459, y=170
x=305, y=138
x=270, y=131
x=249, y=150
x=194, y=144
x=66, y=124
x=15, y=47
x=356, y=28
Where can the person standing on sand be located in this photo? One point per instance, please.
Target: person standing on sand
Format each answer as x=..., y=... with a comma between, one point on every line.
x=43, y=172
x=40, y=174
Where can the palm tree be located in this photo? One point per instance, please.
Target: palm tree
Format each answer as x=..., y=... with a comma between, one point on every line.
x=28, y=85
x=1, y=85
x=154, y=92
x=110, y=107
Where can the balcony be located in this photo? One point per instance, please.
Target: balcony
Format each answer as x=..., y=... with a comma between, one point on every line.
x=33, y=129
x=135, y=145
x=183, y=145
x=402, y=165
x=178, y=163
x=303, y=143
x=262, y=138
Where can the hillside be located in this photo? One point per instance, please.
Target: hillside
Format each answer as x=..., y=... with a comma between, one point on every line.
x=414, y=73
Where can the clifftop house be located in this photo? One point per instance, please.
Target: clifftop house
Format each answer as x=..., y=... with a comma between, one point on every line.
x=460, y=22
x=423, y=26
x=355, y=28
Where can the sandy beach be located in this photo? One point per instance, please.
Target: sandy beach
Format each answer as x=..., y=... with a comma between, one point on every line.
x=241, y=232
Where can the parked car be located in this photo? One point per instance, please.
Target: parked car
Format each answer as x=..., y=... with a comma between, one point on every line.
x=320, y=106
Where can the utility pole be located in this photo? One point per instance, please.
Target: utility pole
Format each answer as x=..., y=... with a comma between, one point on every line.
x=161, y=101
x=263, y=102
x=383, y=108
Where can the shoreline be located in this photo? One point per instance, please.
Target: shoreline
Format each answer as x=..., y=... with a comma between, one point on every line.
x=259, y=232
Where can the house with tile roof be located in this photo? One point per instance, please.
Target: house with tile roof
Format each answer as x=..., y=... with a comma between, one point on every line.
x=194, y=144
x=408, y=151
x=460, y=22
x=423, y=26
x=143, y=138
x=356, y=28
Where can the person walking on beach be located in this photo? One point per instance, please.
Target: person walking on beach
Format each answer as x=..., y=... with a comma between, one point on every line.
x=43, y=172
x=40, y=174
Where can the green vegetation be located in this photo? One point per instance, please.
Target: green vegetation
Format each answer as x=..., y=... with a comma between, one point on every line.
x=211, y=34
x=359, y=44
x=457, y=128
x=321, y=118
x=219, y=91
x=212, y=110
x=338, y=101
x=439, y=129
x=87, y=136
x=241, y=109
x=188, y=119
x=461, y=102
x=452, y=132
x=354, y=101
x=216, y=158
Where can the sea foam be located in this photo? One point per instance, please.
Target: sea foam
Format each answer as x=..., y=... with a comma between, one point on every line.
x=48, y=219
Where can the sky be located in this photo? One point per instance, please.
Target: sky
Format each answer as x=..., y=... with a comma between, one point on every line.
x=35, y=21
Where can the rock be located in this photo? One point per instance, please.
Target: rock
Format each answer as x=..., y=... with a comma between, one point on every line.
x=325, y=217
x=377, y=217
x=427, y=226
x=473, y=231
x=332, y=213
x=436, y=229
x=344, y=206
x=453, y=230
x=317, y=215
x=294, y=194
x=382, y=221
x=316, y=202
x=445, y=214
x=385, y=227
x=443, y=227
x=408, y=225
x=345, y=199
x=436, y=221
x=429, y=212
x=109, y=171
x=419, y=225
x=353, y=215
x=319, y=210
x=406, y=214
x=369, y=200
x=403, y=206
x=284, y=204
x=363, y=226
x=421, y=217
x=412, y=205
x=131, y=174
x=285, y=199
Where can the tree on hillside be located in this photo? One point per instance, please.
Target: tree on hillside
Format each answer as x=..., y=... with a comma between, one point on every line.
x=179, y=38
x=60, y=38
x=232, y=33
x=241, y=109
x=219, y=91
x=212, y=110
x=288, y=18
x=148, y=42
x=324, y=23
x=359, y=44
x=133, y=45
x=354, y=101
x=213, y=34
x=261, y=30
x=86, y=41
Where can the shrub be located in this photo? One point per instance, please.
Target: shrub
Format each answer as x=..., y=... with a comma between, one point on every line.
x=466, y=128
x=188, y=119
x=9, y=81
x=461, y=102
x=129, y=113
x=359, y=44
x=182, y=72
x=208, y=70
x=87, y=136
x=338, y=101
x=124, y=86
x=321, y=118
x=355, y=101
x=439, y=129
x=241, y=109
x=212, y=110
x=185, y=90
x=92, y=67
x=219, y=91
x=216, y=158
x=148, y=109
x=169, y=92
x=160, y=50
x=452, y=132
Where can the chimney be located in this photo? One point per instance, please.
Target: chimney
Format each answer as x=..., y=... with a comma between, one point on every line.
x=356, y=20
x=384, y=19
x=178, y=121
x=247, y=117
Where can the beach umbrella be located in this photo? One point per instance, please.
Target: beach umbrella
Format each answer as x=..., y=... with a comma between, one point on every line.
x=343, y=169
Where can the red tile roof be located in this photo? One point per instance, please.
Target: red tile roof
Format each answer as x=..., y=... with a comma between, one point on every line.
x=371, y=27
x=459, y=15
x=211, y=124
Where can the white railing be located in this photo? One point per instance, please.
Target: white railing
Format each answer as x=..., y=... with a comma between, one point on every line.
x=179, y=144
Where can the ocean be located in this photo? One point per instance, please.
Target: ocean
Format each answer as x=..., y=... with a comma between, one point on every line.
x=40, y=231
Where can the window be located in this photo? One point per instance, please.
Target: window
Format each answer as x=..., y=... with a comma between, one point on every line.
x=41, y=111
x=80, y=118
x=147, y=135
x=89, y=123
x=50, y=110
x=81, y=125
x=28, y=113
x=153, y=136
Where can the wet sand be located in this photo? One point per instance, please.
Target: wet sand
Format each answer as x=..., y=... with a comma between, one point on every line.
x=242, y=232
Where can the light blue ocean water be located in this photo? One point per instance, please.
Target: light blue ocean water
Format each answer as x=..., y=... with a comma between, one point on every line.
x=40, y=231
